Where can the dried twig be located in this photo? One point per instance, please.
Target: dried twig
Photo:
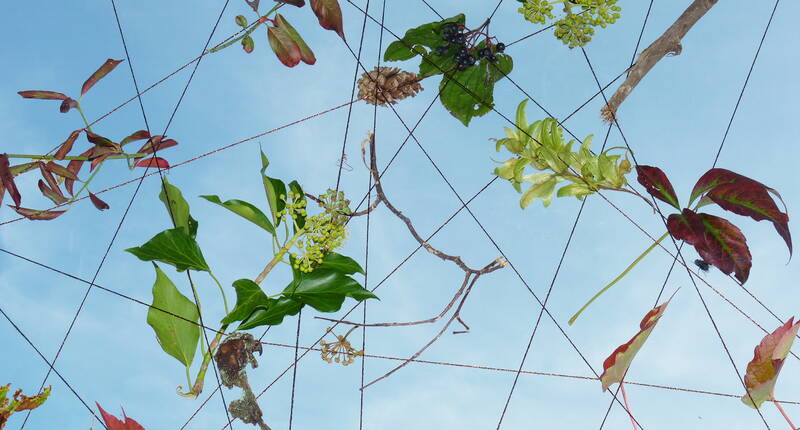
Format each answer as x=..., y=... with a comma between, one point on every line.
x=668, y=44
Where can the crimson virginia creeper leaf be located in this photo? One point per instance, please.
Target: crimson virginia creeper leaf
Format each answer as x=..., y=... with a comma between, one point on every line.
x=44, y=95
x=138, y=135
x=99, y=204
x=114, y=423
x=99, y=159
x=616, y=365
x=37, y=215
x=283, y=46
x=2, y=192
x=656, y=183
x=107, y=67
x=306, y=54
x=329, y=14
x=68, y=104
x=8, y=179
x=65, y=147
x=768, y=358
x=61, y=170
x=153, y=162
x=55, y=197
x=718, y=242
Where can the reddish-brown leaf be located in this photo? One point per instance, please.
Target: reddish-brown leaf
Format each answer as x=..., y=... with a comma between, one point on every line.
x=2, y=192
x=61, y=170
x=66, y=147
x=306, y=54
x=718, y=242
x=99, y=159
x=283, y=46
x=107, y=67
x=329, y=14
x=153, y=162
x=99, y=204
x=157, y=143
x=48, y=176
x=68, y=104
x=656, y=183
x=114, y=423
x=139, y=135
x=44, y=95
x=8, y=179
x=101, y=141
x=54, y=196
x=37, y=215
x=768, y=358
x=253, y=4
x=616, y=365
x=75, y=166
x=298, y=3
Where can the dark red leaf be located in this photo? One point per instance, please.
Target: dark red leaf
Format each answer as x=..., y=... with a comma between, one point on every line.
x=253, y=4
x=67, y=145
x=248, y=44
x=153, y=162
x=8, y=179
x=61, y=170
x=107, y=67
x=75, y=166
x=157, y=143
x=48, y=176
x=99, y=159
x=68, y=104
x=44, y=95
x=55, y=197
x=298, y=3
x=329, y=14
x=139, y=135
x=101, y=141
x=285, y=48
x=2, y=191
x=37, y=215
x=656, y=183
x=19, y=169
x=99, y=204
x=114, y=423
x=718, y=242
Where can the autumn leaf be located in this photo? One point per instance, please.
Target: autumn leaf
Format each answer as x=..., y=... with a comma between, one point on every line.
x=329, y=14
x=42, y=95
x=19, y=402
x=768, y=358
x=617, y=364
x=287, y=50
x=107, y=67
x=153, y=162
x=65, y=147
x=37, y=215
x=306, y=54
x=8, y=179
x=114, y=423
x=68, y=104
x=99, y=204
x=138, y=135
x=656, y=183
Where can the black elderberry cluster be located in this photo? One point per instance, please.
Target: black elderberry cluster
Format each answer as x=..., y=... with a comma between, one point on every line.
x=455, y=35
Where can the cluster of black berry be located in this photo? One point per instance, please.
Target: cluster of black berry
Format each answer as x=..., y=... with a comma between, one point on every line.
x=455, y=35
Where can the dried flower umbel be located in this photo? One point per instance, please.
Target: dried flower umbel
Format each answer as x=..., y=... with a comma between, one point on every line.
x=387, y=85
x=340, y=351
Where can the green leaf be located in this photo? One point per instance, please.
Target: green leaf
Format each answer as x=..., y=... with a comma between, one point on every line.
x=306, y=54
x=543, y=190
x=174, y=247
x=433, y=64
x=398, y=51
x=244, y=210
x=298, y=190
x=248, y=296
x=176, y=336
x=325, y=290
x=274, y=188
x=429, y=35
x=177, y=208
x=340, y=263
x=271, y=313
x=576, y=189
x=470, y=93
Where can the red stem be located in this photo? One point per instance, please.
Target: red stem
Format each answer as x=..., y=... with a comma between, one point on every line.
x=785, y=416
x=628, y=407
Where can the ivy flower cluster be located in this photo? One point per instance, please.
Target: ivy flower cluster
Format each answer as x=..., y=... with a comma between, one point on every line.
x=577, y=26
x=324, y=232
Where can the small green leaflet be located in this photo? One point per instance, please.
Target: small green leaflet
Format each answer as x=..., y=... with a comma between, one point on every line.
x=244, y=210
x=177, y=337
x=174, y=247
x=177, y=208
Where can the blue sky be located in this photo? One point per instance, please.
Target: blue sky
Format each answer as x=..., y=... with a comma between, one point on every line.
x=675, y=119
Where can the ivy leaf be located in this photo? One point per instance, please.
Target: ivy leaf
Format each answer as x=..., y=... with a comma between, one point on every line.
x=764, y=368
x=37, y=215
x=434, y=64
x=8, y=179
x=287, y=50
x=306, y=54
x=177, y=208
x=174, y=247
x=469, y=93
x=429, y=35
x=340, y=263
x=718, y=242
x=105, y=69
x=656, y=183
x=177, y=337
x=42, y=95
x=617, y=364
x=325, y=289
x=244, y=210
x=329, y=14
x=274, y=188
x=113, y=423
x=248, y=296
x=271, y=313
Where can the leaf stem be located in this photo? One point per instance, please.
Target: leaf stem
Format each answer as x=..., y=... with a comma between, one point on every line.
x=279, y=256
x=221, y=290
x=83, y=116
x=75, y=158
x=197, y=303
x=617, y=279
x=627, y=406
x=197, y=388
x=260, y=21
x=785, y=415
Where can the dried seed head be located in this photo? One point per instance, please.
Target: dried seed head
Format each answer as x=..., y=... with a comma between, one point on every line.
x=387, y=85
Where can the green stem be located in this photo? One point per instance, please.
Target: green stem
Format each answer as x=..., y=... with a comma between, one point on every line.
x=279, y=256
x=246, y=33
x=83, y=116
x=75, y=158
x=188, y=377
x=85, y=185
x=621, y=275
x=197, y=303
x=197, y=388
x=221, y=290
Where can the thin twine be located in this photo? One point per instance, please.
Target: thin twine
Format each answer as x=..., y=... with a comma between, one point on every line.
x=294, y=370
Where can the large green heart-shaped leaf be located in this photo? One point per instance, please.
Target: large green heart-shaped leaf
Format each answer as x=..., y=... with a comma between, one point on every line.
x=177, y=337
x=248, y=296
x=174, y=247
x=272, y=313
x=341, y=263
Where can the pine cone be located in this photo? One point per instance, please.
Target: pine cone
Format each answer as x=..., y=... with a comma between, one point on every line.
x=387, y=85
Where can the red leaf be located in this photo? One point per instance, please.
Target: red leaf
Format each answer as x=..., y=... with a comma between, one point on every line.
x=54, y=196
x=107, y=67
x=283, y=46
x=253, y=4
x=2, y=191
x=616, y=365
x=99, y=159
x=67, y=145
x=114, y=423
x=37, y=215
x=329, y=14
x=99, y=204
x=139, y=135
x=75, y=166
x=153, y=162
x=68, y=104
x=768, y=358
x=306, y=54
x=157, y=143
x=8, y=180
x=718, y=242
x=298, y=3
x=51, y=180
x=656, y=183
x=44, y=95
x=61, y=171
